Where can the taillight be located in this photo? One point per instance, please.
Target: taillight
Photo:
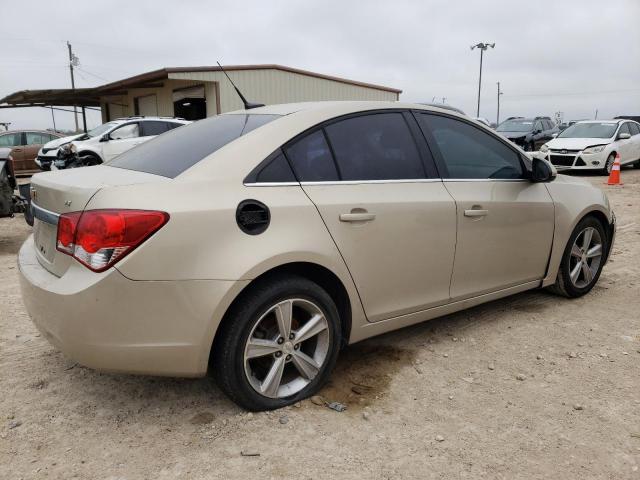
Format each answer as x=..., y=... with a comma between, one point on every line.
x=100, y=238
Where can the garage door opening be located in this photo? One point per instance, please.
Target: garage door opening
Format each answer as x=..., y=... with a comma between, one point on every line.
x=146, y=106
x=189, y=103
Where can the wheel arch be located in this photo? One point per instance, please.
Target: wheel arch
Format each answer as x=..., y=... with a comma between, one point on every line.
x=314, y=272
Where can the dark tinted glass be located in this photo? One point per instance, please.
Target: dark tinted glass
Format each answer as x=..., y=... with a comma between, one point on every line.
x=172, y=125
x=277, y=170
x=375, y=147
x=469, y=152
x=150, y=128
x=311, y=159
x=171, y=154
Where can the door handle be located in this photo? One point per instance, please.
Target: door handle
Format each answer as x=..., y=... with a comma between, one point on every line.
x=476, y=213
x=17, y=149
x=357, y=217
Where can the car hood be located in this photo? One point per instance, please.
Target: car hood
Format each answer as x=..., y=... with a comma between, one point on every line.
x=514, y=134
x=576, y=143
x=58, y=142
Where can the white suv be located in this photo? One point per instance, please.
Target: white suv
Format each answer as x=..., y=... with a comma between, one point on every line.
x=113, y=138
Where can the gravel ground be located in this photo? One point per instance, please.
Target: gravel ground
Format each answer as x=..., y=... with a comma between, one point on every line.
x=532, y=386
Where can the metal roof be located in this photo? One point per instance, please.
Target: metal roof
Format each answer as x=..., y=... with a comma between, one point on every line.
x=91, y=96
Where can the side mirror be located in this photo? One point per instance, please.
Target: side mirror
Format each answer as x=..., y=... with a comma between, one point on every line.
x=554, y=135
x=105, y=138
x=542, y=171
x=624, y=136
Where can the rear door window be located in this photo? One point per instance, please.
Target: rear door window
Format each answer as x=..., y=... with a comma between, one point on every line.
x=311, y=159
x=469, y=152
x=624, y=128
x=179, y=149
x=634, y=128
x=37, y=138
x=375, y=147
x=152, y=128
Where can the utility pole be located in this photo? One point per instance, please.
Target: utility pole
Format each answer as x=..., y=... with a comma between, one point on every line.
x=54, y=120
x=498, y=114
x=73, y=61
x=482, y=47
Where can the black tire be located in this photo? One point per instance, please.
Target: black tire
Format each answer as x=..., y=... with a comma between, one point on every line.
x=228, y=363
x=90, y=159
x=636, y=164
x=606, y=170
x=564, y=286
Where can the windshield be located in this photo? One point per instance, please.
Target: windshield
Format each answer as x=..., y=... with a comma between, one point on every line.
x=516, y=126
x=589, y=130
x=100, y=129
x=173, y=152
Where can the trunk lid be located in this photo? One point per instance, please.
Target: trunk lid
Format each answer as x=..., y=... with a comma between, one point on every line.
x=63, y=191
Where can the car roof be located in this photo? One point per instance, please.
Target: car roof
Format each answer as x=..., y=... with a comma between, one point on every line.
x=345, y=106
x=604, y=121
x=31, y=130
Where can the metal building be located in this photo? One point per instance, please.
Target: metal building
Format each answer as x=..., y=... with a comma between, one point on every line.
x=198, y=92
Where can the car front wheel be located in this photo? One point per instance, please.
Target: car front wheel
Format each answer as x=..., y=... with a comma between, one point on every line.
x=278, y=344
x=582, y=260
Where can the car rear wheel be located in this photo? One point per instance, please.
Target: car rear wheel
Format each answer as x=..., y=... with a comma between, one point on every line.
x=582, y=260
x=278, y=345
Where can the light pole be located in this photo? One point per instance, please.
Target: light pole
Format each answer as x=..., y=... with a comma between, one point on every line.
x=482, y=47
x=498, y=114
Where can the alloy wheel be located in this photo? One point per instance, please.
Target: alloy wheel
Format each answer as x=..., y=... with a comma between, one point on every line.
x=287, y=348
x=586, y=255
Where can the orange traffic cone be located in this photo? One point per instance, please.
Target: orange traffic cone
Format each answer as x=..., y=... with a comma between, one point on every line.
x=614, y=176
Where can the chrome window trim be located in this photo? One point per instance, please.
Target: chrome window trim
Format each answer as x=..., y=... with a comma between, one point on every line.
x=44, y=215
x=485, y=180
x=374, y=182
x=271, y=184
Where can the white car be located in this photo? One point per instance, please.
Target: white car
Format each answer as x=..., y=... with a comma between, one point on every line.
x=49, y=151
x=117, y=136
x=593, y=145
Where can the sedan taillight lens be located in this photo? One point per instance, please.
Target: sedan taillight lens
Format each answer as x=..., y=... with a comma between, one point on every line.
x=100, y=238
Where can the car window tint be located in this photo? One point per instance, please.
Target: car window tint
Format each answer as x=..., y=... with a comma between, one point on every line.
x=311, y=159
x=172, y=125
x=375, y=147
x=174, y=152
x=130, y=130
x=469, y=152
x=150, y=128
x=277, y=170
x=37, y=138
x=10, y=140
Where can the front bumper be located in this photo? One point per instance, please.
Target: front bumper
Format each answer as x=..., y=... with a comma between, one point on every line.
x=576, y=159
x=612, y=236
x=44, y=162
x=108, y=322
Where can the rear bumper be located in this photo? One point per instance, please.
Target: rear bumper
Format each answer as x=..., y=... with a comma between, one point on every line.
x=108, y=322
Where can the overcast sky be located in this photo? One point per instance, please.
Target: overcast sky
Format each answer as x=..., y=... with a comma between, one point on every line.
x=574, y=56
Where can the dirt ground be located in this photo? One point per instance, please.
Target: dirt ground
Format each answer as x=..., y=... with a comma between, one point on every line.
x=437, y=400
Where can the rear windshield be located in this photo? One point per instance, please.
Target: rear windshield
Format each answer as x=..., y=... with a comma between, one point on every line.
x=590, y=130
x=173, y=152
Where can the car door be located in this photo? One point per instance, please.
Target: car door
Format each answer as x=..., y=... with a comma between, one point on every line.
x=538, y=134
x=13, y=140
x=34, y=142
x=392, y=220
x=121, y=139
x=505, y=222
x=635, y=139
x=625, y=145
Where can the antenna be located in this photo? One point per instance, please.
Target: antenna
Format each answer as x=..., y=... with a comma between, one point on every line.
x=247, y=105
